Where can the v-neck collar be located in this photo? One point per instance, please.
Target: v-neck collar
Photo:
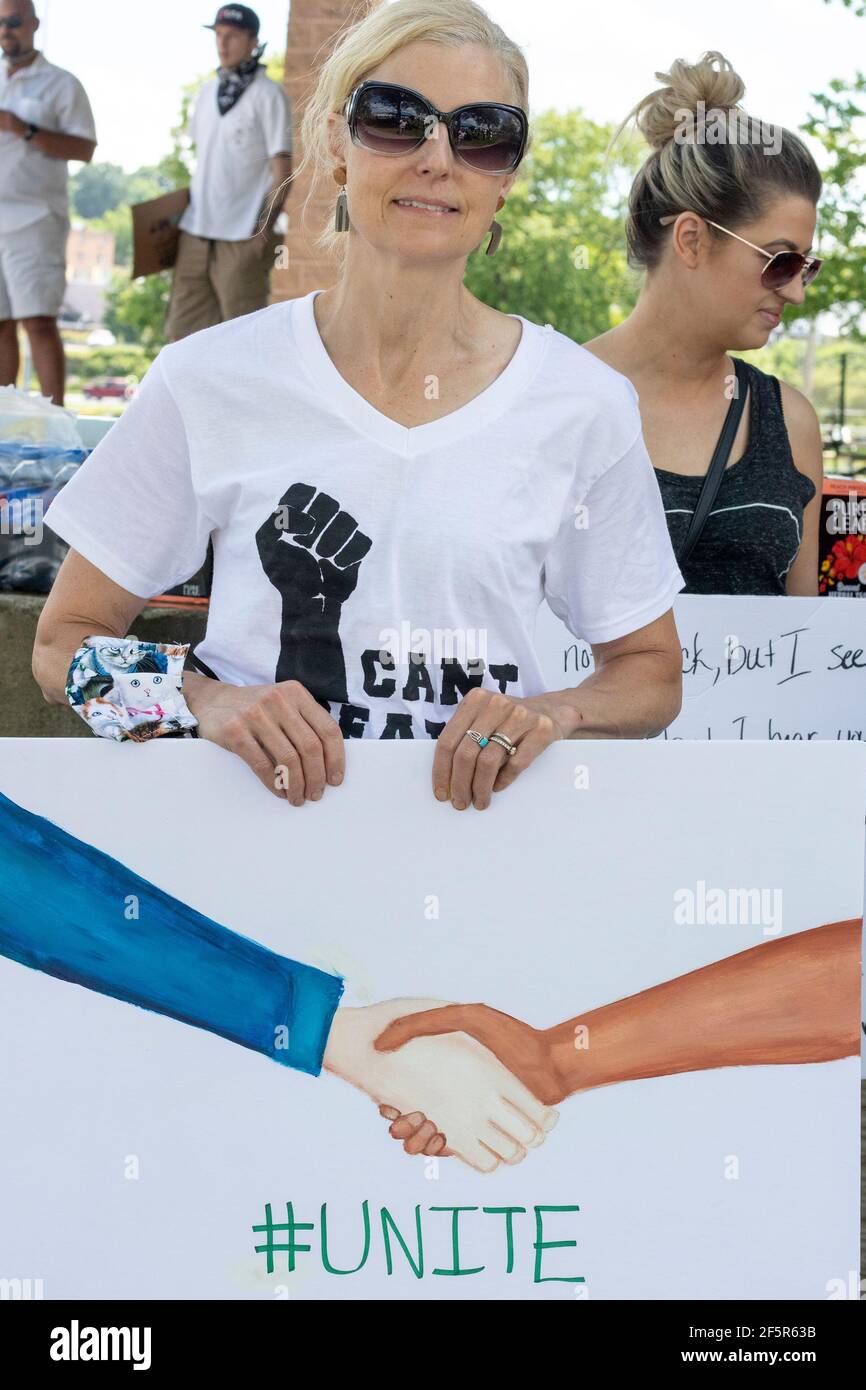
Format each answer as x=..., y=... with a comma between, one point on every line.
x=353, y=407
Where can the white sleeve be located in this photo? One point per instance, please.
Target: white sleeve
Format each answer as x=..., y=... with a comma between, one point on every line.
x=277, y=122
x=611, y=568
x=131, y=509
x=191, y=118
x=73, y=110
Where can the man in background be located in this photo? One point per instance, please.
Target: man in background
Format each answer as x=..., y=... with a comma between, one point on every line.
x=45, y=120
x=242, y=128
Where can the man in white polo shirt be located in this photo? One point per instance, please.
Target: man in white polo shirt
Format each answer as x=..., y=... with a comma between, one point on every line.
x=242, y=128
x=45, y=120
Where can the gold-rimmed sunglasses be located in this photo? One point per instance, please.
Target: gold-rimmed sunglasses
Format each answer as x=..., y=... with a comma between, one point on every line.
x=781, y=266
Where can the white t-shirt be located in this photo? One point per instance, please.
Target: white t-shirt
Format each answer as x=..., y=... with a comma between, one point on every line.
x=233, y=153
x=32, y=183
x=344, y=543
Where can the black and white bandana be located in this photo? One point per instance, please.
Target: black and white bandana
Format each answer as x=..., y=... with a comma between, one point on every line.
x=233, y=82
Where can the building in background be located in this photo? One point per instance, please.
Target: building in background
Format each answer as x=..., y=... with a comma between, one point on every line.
x=313, y=28
x=89, y=268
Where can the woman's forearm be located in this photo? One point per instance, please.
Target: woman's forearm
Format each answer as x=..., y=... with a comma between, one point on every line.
x=793, y=999
x=52, y=657
x=636, y=695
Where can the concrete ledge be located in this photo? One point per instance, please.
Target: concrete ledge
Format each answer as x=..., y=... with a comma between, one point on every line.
x=24, y=712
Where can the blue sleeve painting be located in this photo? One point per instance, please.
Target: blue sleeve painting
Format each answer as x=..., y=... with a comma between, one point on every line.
x=64, y=910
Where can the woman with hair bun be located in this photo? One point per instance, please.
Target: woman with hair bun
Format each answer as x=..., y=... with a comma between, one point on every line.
x=721, y=218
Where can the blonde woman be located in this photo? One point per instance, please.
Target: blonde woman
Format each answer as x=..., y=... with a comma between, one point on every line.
x=721, y=219
x=394, y=474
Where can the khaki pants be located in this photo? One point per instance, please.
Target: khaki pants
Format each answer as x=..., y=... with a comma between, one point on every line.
x=218, y=280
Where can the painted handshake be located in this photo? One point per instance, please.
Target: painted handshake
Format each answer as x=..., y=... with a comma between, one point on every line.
x=419, y=1055
x=488, y=1082
x=526, y=1055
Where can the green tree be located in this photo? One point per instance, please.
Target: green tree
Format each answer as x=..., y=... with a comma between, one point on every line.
x=146, y=183
x=838, y=123
x=562, y=259
x=96, y=189
x=149, y=181
x=136, y=309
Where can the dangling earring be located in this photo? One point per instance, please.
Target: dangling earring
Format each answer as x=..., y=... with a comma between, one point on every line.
x=341, y=213
x=495, y=232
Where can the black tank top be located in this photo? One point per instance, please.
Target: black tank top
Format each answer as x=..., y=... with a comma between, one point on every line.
x=755, y=528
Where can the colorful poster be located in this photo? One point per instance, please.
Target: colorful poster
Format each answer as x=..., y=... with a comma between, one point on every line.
x=626, y=993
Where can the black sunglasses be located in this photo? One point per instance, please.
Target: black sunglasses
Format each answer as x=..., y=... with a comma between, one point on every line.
x=488, y=136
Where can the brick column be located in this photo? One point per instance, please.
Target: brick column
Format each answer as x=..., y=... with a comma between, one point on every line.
x=313, y=27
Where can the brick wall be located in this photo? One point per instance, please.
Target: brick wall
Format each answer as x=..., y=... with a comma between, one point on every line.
x=313, y=27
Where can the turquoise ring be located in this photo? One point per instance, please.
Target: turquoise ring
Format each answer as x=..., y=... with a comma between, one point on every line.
x=480, y=739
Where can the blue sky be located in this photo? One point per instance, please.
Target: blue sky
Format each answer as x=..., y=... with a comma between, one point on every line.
x=133, y=56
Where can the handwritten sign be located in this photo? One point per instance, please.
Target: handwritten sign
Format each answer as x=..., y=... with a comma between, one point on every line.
x=753, y=668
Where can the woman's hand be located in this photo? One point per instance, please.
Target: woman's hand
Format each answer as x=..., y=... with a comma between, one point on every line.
x=464, y=772
x=527, y=1052
x=291, y=743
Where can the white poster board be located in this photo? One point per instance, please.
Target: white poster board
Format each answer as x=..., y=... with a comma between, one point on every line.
x=140, y=1152
x=777, y=669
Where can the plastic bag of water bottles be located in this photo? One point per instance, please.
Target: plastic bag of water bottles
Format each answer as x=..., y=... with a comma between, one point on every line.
x=40, y=450
x=33, y=419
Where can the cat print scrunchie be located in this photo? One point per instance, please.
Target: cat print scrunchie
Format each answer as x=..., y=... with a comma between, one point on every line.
x=126, y=689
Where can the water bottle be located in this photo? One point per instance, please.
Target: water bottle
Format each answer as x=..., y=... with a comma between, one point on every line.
x=29, y=555
x=6, y=466
x=68, y=465
x=25, y=564
x=31, y=475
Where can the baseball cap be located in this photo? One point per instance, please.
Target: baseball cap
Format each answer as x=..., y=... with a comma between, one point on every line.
x=239, y=15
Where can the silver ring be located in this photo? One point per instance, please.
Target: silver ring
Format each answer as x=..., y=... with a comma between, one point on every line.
x=504, y=742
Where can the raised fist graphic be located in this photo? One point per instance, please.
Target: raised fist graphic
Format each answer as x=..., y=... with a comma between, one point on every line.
x=311, y=552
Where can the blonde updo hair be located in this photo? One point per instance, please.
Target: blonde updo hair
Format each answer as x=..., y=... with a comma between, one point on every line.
x=732, y=182
x=367, y=43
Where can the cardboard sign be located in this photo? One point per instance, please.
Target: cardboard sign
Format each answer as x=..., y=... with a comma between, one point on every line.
x=155, y=232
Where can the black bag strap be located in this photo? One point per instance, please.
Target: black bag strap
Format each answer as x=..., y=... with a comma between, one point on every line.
x=195, y=663
x=718, y=463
